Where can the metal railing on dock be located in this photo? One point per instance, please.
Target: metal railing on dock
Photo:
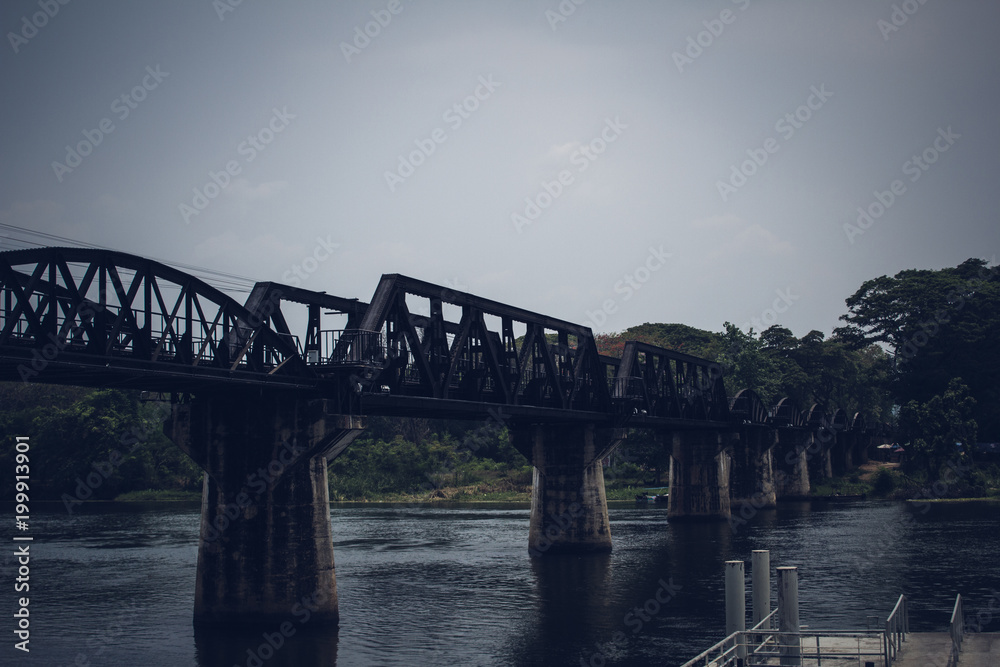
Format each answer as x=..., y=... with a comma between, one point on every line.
x=779, y=639
x=816, y=647
x=896, y=627
x=957, y=629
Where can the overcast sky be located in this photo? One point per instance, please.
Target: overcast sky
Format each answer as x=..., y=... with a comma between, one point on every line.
x=607, y=163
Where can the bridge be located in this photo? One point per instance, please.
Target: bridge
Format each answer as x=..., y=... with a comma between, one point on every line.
x=264, y=396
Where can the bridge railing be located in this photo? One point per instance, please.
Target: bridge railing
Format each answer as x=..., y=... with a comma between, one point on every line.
x=349, y=347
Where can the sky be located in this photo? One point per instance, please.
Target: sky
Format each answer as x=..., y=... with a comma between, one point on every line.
x=605, y=163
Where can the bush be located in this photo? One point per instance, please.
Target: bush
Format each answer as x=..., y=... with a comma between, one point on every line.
x=884, y=482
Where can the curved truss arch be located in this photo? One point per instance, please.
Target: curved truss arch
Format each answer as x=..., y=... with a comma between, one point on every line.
x=817, y=416
x=748, y=407
x=787, y=413
x=858, y=423
x=839, y=420
x=70, y=310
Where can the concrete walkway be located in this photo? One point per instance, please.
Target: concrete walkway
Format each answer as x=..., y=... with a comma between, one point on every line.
x=932, y=649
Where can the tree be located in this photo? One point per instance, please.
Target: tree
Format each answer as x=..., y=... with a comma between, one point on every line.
x=748, y=365
x=935, y=427
x=937, y=325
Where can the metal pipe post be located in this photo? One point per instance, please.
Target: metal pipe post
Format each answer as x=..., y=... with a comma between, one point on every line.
x=788, y=614
x=760, y=572
x=736, y=602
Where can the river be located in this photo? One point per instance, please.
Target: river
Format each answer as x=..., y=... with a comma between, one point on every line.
x=113, y=584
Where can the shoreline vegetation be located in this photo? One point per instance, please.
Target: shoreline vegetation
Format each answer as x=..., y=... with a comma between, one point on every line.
x=874, y=480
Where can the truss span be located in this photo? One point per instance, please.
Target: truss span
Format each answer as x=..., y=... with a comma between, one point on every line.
x=99, y=317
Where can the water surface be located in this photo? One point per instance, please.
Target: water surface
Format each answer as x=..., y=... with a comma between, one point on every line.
x=113, y=584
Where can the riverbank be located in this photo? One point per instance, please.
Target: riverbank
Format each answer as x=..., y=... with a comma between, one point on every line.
x=879, y=479
x=874, y=479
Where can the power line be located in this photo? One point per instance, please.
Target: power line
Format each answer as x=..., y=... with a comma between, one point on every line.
x=219, y=279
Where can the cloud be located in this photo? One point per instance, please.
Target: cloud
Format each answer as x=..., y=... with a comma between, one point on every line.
x=753, y=240
x=731, y=236
x=242, y=192
x=33, y=214
x=234, y=252
x=719, y=222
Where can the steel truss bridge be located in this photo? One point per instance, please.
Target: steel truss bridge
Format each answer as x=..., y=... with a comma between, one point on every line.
x=102, y=318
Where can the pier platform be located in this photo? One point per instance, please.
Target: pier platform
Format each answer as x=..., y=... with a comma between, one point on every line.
x=933, y=649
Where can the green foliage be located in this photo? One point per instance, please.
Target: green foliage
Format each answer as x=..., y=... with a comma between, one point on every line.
x=680, y=337
x=941, y=428
x=938, y=325
x=884, y=482
x=78, y=433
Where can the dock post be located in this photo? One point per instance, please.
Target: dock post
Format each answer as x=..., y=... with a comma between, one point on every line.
x=788, y=614
x=760, y=571
x=736, y=603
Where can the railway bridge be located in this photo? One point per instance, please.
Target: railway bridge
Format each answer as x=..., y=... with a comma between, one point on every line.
x=266, y=393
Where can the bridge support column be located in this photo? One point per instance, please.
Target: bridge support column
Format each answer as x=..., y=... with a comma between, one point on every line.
x=864, y=442
x=265, y=544
x=699, y=475
x=751, y=479
x=791, y=462
x=569, y=510
x=840, y=453
x=821, y=464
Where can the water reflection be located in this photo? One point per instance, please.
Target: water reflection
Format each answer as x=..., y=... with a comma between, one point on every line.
x=231, y=647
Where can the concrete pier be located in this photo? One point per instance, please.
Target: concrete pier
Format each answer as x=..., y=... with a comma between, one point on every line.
x=841, y=453
x=791, y=462
x=821, y=464
x=699, y=475
x=569, y=510
x=751, y=477
x=265, y=549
